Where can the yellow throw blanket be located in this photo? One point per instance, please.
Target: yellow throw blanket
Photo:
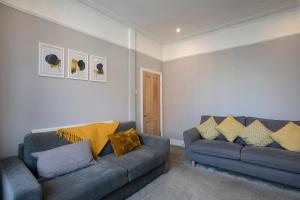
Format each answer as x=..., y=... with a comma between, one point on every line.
x=97, y=133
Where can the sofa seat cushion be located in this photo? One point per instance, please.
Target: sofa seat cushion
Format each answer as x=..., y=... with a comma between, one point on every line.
x=271, y=157
x=217, y=148
x=91, y=183
x=138, y=162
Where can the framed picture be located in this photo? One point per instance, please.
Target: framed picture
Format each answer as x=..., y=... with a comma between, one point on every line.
x=98, y=68
x=78, y=65
x=51, y=60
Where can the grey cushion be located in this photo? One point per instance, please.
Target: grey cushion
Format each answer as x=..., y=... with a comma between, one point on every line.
x=36, y=142
x=219, y=119
x=138, y=162
x=64, y=159
x=217, y=148
x=273, y=125
x=91, y=183
x=270, y=157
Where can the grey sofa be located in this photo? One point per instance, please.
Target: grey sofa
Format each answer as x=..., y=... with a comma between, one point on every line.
x=271, y=163
x=111, y=178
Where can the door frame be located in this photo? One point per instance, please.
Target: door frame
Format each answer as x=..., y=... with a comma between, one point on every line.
x=142, y=98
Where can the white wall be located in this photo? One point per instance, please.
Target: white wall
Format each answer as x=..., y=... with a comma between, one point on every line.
x=89, y=21
x=75, y=15
x=148, y=46
x=262, y=29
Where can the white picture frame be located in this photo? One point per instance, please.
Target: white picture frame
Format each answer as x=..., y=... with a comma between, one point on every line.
x=98, y=74
x=51, y=60
x=78, y=65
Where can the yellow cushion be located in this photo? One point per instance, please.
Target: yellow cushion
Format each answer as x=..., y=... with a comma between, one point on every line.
x=257, y=134
x=230, y=128
x=288, y=137
x=208, y=129
x=124, y=142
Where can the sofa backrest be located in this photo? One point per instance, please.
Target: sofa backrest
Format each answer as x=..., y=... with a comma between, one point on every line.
x=35, y=142
x=273, y=125
x=123, y=127
x=219, y=119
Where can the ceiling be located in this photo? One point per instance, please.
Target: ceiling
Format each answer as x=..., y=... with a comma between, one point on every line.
x=159, y=19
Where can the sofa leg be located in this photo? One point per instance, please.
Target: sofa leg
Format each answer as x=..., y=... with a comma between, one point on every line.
x=193, y=163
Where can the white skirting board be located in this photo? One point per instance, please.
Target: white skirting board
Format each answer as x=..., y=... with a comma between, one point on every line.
x=175, y=142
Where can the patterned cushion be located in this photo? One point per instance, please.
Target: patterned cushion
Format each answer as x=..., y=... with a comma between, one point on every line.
x=257, y=134
x=230, y=128
x=125, y=142
x=207, y=129
x=288, y=137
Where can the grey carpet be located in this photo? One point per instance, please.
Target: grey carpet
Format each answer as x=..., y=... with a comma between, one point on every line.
x=184, y=182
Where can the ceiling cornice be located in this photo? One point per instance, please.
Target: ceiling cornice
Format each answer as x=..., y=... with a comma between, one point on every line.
x=91, y=4
x=238, y=22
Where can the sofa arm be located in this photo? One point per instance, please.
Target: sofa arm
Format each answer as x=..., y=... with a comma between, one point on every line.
x=17, y=182
x=157, y=142
x=189, y=136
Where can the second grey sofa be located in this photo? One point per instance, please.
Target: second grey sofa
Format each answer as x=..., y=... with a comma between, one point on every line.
x=111, y=178
x=271, y=163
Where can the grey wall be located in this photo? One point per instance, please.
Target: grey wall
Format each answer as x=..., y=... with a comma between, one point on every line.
x=29, y=101
x=143, y=61
x=132, y=86
x=261, y=80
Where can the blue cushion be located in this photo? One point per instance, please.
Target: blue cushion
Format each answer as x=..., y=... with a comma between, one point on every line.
x=92, y=183
x=138, y=162
x=221, y=137
x=240, y=141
